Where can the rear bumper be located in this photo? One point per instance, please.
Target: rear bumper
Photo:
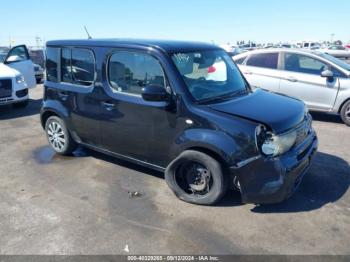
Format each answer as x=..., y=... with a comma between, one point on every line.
x=272, y=180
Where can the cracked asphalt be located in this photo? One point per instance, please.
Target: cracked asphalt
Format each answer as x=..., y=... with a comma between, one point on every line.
x=84, y=204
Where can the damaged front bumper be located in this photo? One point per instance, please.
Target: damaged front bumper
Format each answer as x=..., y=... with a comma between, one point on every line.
x=267, y=180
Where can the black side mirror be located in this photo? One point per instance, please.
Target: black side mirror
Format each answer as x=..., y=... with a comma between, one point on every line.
x=328, y=74
x=154, y=93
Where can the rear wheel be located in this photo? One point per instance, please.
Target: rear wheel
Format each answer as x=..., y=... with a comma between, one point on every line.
x=196, y=178
x=345, y=113
x=58, y=136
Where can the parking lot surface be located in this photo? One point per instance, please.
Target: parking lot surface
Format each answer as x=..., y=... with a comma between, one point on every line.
x=86, y=204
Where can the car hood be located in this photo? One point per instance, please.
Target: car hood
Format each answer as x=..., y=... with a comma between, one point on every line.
x=278, y=112
x=6, y=71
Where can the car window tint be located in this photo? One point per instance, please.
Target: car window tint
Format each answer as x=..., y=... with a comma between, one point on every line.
x=52, y=58
x=303, y=64
x=83, y=67
x=129, y=72
x=66, y=67
x=265, y=60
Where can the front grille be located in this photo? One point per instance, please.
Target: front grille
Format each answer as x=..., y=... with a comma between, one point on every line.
x=5, y=88
x=303, y=130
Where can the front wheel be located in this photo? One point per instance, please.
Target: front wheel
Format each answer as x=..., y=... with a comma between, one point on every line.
x=58, y=136
x=196, y=178
x=345, y=113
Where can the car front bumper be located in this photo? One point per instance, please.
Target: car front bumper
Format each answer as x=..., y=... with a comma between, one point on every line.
x=268, y=180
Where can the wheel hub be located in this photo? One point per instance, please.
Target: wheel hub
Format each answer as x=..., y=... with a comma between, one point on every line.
x=198, y=178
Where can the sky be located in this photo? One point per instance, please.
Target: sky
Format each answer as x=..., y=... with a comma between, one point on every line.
x=219, y=21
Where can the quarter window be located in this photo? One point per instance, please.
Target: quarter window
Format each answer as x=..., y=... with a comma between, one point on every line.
x=52, y=58
x=129, y=72
x=77, y=66
x=265, y=60
x=304, y=64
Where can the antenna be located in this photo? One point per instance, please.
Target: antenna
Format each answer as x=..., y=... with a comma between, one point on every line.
x=89, y=36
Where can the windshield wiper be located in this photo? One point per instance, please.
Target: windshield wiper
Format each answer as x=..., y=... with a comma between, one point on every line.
x=223, y=97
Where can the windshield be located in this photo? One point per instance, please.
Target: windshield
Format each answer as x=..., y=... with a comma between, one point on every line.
x=210, y=74
x=336, y=61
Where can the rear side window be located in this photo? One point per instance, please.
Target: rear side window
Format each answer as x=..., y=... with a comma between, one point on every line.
x=77, y=66
x=129, y=72
x=265, y=60
x=52, y=59
x=240, y=60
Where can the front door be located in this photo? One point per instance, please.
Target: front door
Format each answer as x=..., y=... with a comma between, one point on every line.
x=18, y=59
x=131, y=126
x=302, y=79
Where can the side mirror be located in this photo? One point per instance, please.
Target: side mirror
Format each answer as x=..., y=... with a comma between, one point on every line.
x=328, y=74
x=154, y=93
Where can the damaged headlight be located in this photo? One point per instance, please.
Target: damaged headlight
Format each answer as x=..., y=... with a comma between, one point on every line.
x=274, y=145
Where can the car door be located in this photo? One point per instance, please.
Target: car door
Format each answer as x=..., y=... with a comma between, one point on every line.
x=131, y=126
x=302, y=79
x=261, y=70
x=18, y=59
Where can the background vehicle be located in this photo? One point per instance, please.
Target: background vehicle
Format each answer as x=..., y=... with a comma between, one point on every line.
x=16, y=76
x=39, y=73
x=320, y=80
x=337, y=51
x=178, y=107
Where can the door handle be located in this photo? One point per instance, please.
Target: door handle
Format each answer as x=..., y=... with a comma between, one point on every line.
x=248, y=72
x=108, y=106
x=292, y=79
x=63, y=95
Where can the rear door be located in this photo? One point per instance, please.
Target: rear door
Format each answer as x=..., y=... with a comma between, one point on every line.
x=261, y=70
x=302, y=79
x=18, y=59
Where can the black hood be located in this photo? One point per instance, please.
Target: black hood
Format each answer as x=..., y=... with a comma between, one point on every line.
x=276, y=111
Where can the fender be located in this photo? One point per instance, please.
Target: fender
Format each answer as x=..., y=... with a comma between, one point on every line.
x=224, y=145
x=55, y=107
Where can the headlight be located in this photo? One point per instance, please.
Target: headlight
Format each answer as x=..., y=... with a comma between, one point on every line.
x=19, y=79
x=275, y=145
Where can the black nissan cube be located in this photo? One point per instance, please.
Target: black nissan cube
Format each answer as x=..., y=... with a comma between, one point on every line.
x=182, y=108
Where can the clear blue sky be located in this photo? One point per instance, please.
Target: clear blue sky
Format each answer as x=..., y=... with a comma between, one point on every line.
x=221, y=20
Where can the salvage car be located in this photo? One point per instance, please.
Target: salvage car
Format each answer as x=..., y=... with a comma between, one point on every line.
x=16, y=76
x=320, y=80
x=157, y=103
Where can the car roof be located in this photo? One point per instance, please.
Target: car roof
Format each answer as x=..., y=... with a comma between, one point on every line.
x=169, y=46
x=273, y=50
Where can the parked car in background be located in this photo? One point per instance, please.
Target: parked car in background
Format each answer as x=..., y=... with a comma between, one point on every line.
x=320, y=80
x=337, y=51
x=347, y=46
x=39, y=73
x=16, y=76
x=37, y=56
x=182, y=108
x=309, y=45
x=232, y=50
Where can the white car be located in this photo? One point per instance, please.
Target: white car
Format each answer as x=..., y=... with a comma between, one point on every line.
x=16, y=76
x=320, y=80
x=336, y=51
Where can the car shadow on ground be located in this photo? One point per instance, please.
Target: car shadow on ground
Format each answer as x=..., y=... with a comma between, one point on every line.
x=324, y=117
x=326, y=182
x=10, y=112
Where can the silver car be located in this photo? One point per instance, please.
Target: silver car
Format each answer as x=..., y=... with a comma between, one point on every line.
x=320, y=80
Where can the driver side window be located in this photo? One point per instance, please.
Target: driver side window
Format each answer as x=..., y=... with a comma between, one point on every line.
x=303, y=64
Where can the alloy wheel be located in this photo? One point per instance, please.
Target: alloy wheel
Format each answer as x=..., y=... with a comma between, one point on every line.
x=56, y=136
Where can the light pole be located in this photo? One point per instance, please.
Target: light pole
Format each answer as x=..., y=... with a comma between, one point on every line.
x=332, y=36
